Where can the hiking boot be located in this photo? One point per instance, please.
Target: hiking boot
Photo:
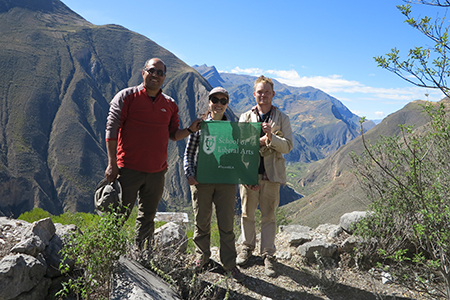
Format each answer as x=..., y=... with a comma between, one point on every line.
x=269, y=266
x=142, y=256
x=243, y=257
x=237, y=275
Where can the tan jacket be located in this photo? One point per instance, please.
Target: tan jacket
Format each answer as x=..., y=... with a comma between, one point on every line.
x=281, y=143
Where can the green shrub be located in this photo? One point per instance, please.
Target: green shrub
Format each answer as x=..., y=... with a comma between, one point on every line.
x=95, y=251
x=33, y=215
x=408, y=182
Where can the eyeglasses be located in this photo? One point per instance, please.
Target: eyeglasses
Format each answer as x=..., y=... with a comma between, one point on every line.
x=223, y=101
x=160, y=73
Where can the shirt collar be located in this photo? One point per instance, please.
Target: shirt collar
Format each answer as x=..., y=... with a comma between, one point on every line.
x=209, y=118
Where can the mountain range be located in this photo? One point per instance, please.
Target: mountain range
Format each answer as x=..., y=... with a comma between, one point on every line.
x=58, y=73
x=330, y=186
x=320, y=123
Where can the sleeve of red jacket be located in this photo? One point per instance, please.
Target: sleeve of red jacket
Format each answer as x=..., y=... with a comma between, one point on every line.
x=116, y=116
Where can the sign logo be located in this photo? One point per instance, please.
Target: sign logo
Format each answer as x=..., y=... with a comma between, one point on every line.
x=209, y=144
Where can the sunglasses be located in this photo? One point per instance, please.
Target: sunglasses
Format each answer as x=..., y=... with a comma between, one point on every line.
x=160, y=73
x=223, y=101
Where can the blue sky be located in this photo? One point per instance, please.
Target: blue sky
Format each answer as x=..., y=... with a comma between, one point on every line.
x=326, y=44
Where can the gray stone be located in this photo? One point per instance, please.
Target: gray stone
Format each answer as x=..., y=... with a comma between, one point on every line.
x=44, y=229
x=36, y=237
x=299, y=238
x=52, y=252
x=171, y=236
x=31, y=246
x=134, y=282
x=39, y=292
x=348, y=219
x=329, y=230
x=13, y=229
x=323, y=248
x=283, y=255
x=20, y=273
x=386, y=278
x=294, y=228
x=336, y=232
x=349, y=244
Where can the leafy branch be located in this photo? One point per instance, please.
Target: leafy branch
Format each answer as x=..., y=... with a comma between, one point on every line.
x=424, y=67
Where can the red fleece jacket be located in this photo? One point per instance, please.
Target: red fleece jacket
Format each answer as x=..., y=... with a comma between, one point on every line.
x=142, y=127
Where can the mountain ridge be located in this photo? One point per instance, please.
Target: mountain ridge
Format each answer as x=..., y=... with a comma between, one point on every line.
x=58, y=74
x=320, y=123
x=333, y=189
x=62, y=73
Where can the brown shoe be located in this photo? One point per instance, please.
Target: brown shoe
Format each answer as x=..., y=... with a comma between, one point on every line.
x=237, y=275
x=243, y=257
x=269, y=266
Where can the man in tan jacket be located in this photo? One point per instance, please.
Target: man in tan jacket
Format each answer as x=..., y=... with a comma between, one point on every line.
x=275, y=140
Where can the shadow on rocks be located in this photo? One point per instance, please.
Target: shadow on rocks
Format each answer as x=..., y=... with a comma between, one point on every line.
x=332, y=290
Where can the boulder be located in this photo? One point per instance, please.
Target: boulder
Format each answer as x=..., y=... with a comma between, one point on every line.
x=348, y=219
x=35, y=237
x=349, y=243
x=52, y=253
x=33, y=261
x=331, y=231
x=171, y=236
x=20, y=273
x=134, y=282
x=299, y=238
x=294, y=228
x=322, y=247
x=40, y=291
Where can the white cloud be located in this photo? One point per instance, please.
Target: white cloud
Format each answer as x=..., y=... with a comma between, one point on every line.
x=249, y=71
x=333, y=84
x=363, y=100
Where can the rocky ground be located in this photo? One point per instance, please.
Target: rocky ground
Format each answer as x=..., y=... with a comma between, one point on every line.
x=299, y=279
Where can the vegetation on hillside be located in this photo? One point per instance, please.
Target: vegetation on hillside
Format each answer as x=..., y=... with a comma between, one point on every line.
x=90, y=253
x=407, y=177
x=408, y=181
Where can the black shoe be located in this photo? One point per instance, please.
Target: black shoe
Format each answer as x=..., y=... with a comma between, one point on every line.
x=237, y=275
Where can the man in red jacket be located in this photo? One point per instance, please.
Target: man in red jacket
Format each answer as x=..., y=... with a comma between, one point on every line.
x=140, y=122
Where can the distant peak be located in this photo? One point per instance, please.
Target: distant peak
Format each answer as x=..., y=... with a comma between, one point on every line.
x=53, y=7
x=6, y=5
x=34, y=5
x=209, y=73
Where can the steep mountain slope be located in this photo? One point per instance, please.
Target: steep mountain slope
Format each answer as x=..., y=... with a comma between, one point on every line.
x=211, y=74
x=335, y=189
x=58, y=73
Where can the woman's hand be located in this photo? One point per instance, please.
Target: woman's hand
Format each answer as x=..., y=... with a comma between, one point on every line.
x=254, y=187
x=192, y=180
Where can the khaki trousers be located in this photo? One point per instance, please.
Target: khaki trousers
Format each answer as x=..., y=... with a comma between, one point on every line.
x=268, y=199
x=148, y=189
x=223, y=196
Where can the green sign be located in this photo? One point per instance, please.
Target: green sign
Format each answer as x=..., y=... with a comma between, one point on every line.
x=228, y=152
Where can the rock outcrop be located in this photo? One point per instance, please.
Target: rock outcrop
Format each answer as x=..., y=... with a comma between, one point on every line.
x=29, y=267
